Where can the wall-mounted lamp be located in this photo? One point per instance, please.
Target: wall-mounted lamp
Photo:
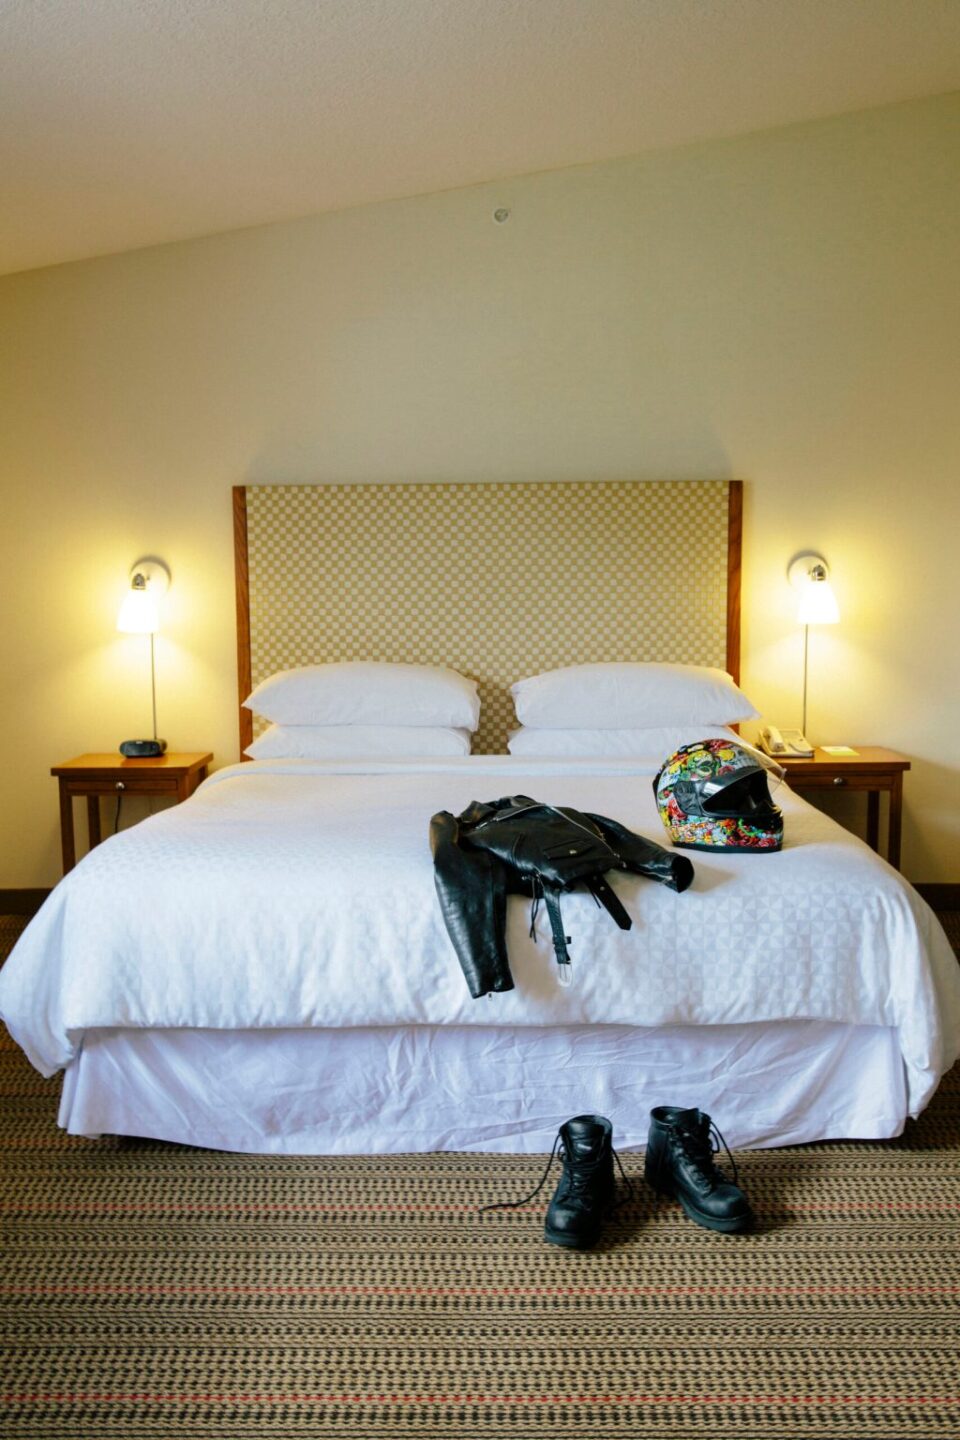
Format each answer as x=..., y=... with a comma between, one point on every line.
x=140, y=615
x=809, y=574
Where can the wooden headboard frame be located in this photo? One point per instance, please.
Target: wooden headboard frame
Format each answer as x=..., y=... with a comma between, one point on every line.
x=673, y=555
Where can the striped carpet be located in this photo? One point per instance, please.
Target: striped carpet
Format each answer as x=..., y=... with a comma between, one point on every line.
x=152, y=1290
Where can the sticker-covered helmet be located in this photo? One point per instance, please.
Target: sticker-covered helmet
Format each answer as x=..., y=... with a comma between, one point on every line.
x=714, y=795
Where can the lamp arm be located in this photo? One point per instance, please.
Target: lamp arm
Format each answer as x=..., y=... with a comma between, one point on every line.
x=153, y=686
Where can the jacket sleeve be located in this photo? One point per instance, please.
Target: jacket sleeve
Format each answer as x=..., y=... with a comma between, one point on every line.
x=472, y=888
x=646, y=857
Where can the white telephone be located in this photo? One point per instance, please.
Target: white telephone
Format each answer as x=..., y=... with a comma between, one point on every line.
x=785, y=744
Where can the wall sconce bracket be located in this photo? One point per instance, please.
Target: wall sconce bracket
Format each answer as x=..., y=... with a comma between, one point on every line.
x=155, y=575
x=807, y=566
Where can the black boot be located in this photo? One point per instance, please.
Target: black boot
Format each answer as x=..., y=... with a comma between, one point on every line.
x=586, y=1190
x=679, y=1162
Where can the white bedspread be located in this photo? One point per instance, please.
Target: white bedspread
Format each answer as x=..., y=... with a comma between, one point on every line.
x=288, y=894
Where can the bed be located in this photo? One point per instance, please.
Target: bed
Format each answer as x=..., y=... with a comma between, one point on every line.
x=264, y=968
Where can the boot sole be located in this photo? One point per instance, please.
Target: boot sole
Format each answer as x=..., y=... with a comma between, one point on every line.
x=735, y=1225
x=567, y=1243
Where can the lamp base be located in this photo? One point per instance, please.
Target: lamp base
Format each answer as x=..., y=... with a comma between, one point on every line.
x=142, y=749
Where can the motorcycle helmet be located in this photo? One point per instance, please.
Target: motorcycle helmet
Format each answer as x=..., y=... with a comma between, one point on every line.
x=715, y=795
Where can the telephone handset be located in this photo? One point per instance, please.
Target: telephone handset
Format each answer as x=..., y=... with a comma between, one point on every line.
x=785, y=744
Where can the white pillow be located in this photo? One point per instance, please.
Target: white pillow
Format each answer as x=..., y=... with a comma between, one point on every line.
x=347, y=742
x=367, y=692
x=655, y=743
x=629, y=696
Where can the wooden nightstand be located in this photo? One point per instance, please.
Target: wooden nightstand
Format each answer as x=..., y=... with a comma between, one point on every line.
x=96, y=775
x=872, y=769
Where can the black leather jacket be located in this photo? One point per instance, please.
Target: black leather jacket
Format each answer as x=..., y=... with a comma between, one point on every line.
x=518, y=846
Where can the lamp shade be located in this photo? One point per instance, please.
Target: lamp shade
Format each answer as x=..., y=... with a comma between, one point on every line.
x=139, y=613
x=818, y=604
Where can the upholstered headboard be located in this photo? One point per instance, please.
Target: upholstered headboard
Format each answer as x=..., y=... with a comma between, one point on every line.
x=496, y=580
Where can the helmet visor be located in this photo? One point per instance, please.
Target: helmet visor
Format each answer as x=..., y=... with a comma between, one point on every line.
x=745, y=798
x=747, y=794
x=775, y=772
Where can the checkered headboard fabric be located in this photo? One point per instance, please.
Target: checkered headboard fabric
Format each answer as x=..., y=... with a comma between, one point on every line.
x=496, y=580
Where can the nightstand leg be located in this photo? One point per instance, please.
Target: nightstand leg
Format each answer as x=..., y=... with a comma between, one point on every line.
x=93, y=820
x=67, y=845
x=873, y=819
x=896, y=819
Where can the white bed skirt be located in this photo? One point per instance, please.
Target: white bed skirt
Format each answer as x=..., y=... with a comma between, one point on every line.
x=427, y=1088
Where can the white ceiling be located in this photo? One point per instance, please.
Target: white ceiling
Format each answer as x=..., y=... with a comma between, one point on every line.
x=132, y=122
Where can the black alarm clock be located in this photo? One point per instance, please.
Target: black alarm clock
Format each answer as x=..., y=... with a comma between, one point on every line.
x=142, y=749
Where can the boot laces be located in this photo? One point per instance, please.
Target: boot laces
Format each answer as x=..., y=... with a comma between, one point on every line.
x=581, y=1172
x=701, y=1144
x=583, y=1169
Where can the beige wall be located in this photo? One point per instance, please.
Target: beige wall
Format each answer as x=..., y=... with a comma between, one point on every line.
x=784, y=308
